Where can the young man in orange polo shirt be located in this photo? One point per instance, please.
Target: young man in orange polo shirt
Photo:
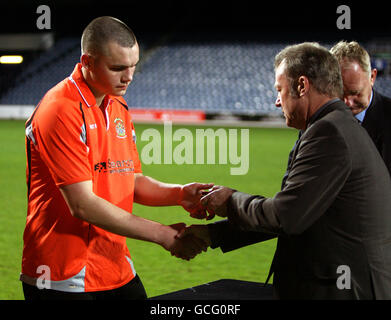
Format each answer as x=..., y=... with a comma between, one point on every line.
x=83, y=174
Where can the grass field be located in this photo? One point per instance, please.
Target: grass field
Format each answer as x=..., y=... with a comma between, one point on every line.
x=160, y=272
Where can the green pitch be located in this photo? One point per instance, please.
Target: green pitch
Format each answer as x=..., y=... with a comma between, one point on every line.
x=160, y=272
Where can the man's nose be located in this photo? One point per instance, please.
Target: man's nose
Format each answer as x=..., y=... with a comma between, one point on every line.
x=348, y=101
x=278, y=102
x=127, y=76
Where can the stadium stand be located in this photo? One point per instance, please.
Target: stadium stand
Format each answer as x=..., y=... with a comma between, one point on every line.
x=217, y=77
x=42, y=73
x=233, y=78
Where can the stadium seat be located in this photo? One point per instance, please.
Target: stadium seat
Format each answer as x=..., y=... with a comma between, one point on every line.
x=222, y=77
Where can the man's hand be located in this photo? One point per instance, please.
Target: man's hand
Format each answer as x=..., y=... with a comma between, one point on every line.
x=215, y=202
x=151, y=192
x=186, y=247
x=190, y=195
x=197, y=230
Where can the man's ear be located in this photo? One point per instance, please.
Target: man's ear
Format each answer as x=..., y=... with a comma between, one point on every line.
x=86, y=61
x=302, y=86
x=373, y=76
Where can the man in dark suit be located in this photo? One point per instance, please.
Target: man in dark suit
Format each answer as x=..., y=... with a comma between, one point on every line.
x=371, y=109
x=332, y=216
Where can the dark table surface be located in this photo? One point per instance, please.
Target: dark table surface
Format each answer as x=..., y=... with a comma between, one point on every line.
x=223, y=289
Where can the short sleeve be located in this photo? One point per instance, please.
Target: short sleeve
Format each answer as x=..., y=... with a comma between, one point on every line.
x=58, y=131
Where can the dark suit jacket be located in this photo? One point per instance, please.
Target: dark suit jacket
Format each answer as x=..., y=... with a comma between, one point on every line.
x=377, y=122
x=334, y=210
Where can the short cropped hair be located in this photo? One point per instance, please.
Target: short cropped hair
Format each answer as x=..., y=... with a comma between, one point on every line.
x=352, y=52
x=316, y=63
x=105, y=29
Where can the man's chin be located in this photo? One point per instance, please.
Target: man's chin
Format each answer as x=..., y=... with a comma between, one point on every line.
x=299, y=125
x=119, y=93
x=356, y=110
x=288, y=121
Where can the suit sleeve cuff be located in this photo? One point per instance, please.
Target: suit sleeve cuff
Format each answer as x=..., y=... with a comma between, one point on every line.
x=216, y=233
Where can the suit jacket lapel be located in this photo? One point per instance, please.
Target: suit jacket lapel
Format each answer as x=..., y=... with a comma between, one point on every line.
x=291, y=156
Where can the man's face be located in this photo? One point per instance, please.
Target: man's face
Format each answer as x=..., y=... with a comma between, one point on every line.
x=112, y=71
x=357, y=86
x=291, y=105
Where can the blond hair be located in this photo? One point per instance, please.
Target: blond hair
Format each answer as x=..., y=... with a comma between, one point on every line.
x=352, y=52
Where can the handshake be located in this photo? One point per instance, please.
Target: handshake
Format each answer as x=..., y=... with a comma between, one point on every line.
x=202, y=201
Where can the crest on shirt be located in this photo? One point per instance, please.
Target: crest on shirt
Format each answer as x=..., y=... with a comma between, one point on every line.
x=120, y=128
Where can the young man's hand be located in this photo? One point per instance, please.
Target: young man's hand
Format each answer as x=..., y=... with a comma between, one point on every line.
x=190, y=195
x=185, y=247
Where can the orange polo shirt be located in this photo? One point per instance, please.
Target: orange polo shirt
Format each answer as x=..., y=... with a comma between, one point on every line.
x=68, y=140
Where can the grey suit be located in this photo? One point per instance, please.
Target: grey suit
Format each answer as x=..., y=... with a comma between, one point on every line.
x=333, y=210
